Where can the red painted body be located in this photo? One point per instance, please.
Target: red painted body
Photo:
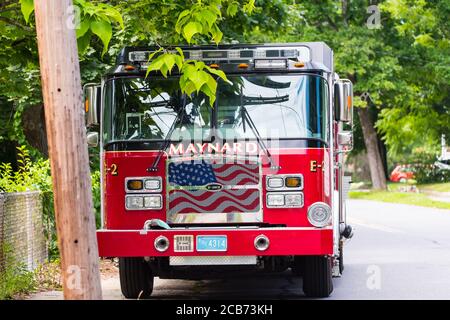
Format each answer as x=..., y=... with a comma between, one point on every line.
x=283, y=242
x=122, y=237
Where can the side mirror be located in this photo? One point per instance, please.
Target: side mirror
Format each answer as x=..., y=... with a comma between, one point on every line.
x=92, y=139
x=343, y=101
x=92, y=103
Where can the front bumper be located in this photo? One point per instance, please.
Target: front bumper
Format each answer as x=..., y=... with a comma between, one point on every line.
x=283, y=242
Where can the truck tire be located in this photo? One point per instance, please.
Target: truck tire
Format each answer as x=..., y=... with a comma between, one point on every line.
x=317, y=277
x=136, y=278
x=298, y=265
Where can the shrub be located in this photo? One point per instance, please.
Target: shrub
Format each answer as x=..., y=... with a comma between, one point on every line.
x=14, y=277
x=36, y=175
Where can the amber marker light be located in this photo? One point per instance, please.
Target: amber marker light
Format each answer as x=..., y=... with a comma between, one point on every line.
x=243, y=66
x=293, y=182
x=214, y=66
x=299, y=64
x=129, y=67
x=135, y=184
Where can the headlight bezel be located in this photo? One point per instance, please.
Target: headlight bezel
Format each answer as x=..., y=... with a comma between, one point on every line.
x=324, y=223
x=284, y=195
x=144, y=180
x=284, y=187
x=143, y=199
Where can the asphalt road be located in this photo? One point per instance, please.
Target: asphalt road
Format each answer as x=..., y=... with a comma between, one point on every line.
x=397, y=252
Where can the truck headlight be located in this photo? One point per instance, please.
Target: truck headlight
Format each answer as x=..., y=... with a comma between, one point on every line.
x=275, y=183
x=319, y=214
x=275, y=200
x=134, y=202
x=294, y=200
x=143, y=202
x=152, y=184
x=153, y=202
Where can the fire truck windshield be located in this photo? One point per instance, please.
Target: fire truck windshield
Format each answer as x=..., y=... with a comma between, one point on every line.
x=280, y=106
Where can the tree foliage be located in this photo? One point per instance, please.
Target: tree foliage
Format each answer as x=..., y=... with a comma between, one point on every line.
x=400, y=69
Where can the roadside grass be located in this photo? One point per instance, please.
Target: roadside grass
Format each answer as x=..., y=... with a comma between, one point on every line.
x=417, y=199
x=437, y=187
x=433, y=187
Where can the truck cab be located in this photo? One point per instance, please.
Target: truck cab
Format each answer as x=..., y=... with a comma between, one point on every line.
x=250, y=183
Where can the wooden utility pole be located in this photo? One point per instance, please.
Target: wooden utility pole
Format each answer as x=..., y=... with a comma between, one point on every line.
x=66, y=134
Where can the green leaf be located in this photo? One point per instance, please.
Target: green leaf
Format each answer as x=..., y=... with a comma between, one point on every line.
x=178, y=61
x=156, y=64
x=83, y=27
x=103, y=30
x=425, y=40
x=211, y=94
x=232, y=9
x=198, y=78
x=216, y=34
x=115, y=16
x=183, y=14
x=191, y=29
x=83, y=42
x=218, y=73
x=27, y=7
x=249, y=6
x=212, y=83
x=180, y=52
x=169, y=61
x=209, y=16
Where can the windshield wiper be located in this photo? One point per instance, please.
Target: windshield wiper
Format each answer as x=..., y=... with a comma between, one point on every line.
x=246, y=117
x=167, y=140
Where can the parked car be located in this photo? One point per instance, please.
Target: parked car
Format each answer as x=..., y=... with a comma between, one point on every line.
x=402, y=173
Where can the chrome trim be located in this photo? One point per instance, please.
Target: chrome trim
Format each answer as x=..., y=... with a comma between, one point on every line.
x=326, y=207
x=284, y=205
x=265, y=238
x=162, y=249
x=233, y=228
x=143, y=208
x=143, y=184
x=212, y=260
x=284, y=176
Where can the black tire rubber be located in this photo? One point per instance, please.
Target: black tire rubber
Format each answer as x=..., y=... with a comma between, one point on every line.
x=317, y=277
x=298, y=265
x=136, y=278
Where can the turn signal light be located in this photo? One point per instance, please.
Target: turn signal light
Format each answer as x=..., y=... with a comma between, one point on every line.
x=135, y=184
x=293, y=182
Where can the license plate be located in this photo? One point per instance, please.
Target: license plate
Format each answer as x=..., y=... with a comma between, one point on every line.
x=211, y=243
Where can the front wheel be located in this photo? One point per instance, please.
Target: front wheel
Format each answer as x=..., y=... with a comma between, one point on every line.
x=136, y=278
x=317, y=276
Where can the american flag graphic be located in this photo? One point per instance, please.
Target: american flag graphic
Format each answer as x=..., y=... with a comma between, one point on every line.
x=240, y=191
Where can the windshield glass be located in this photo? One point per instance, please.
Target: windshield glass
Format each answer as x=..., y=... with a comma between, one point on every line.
x=278, y=106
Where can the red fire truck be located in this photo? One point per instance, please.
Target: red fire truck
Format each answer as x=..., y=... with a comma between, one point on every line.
x=251, y=184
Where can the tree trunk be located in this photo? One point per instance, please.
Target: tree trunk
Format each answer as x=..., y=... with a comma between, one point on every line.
x=66, y=135
x=373, y=152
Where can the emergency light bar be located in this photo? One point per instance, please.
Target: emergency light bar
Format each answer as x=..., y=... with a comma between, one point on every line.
x=298, y=53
